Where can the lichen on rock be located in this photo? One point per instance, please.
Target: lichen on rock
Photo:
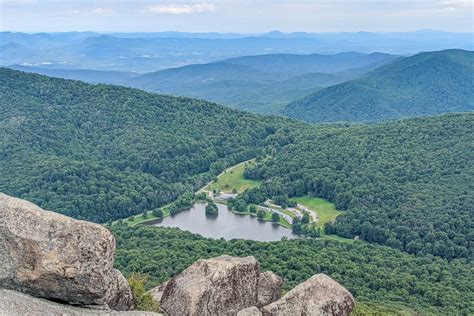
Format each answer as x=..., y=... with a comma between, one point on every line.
x=56, y=257
x=213, y=286
x=269, y=288
x=319, y=295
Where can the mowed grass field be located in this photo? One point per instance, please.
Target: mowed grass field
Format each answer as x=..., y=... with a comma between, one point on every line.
x=326, y=211
x=233, y=179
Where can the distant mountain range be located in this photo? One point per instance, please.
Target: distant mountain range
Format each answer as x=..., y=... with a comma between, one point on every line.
x=316, y=88
x=424, y=84
x=87, y=75
x=261, y=83
x=148, y=52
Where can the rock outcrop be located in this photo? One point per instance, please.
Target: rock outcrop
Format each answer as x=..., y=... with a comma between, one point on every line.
x=269, y=288
x=157, y=292
x=319, y=295
x=233, y=286
x=222, y=285
x=56, y=257
x=13, y=303
x=250, y=311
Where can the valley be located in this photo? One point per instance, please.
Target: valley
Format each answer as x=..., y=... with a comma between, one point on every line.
x=231, y=182
x=311, y=157
x=227, y=225
x=221, y=191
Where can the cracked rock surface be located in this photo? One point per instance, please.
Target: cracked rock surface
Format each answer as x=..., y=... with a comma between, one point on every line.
x=13, y=303
x=53, y=256
x=319, y=295
x=213, y=286
x=269, y=288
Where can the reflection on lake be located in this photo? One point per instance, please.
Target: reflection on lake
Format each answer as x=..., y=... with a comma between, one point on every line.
x=226, y=225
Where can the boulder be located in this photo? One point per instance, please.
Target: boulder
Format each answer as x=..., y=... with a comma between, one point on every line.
x=319, y=295
x=53, y=256
x=250, y=311
x=157, y=292
x=222, y=285
x=269, y=288
x=13, y=303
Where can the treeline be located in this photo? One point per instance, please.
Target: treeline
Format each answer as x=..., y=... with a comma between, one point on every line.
x=101, y=152
x=372, y=273
x=405, y=184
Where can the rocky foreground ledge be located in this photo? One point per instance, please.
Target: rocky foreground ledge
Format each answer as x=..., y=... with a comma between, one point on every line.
x=235, y=286
x=14, y=303
x=53, y=256
x=51, y=264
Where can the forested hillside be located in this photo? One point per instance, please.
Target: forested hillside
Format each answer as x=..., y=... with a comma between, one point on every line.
x=262, y=83
x=407, y=184
x=378, y=276
x=101, y=152
x=424, y=84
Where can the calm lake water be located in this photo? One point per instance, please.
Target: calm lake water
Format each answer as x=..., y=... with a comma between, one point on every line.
x=226, y=225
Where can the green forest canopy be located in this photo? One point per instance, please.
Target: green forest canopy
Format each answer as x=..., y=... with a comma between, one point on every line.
x=425, y=84
x=374, y=274
x=102, y=152
x=407, y=184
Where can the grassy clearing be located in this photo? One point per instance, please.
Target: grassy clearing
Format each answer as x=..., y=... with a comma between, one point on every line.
x=326, y=211
x=140, y=218
x=284, y=223
x=233, y=179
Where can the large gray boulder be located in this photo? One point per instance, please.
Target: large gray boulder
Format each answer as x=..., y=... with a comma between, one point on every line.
x=319, y=295
x=222, y=285
x=13, y=303
x=269, y=288
x=56, y=257
x=250, y=311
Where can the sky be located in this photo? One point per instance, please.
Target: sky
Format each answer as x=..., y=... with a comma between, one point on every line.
x=245, y=16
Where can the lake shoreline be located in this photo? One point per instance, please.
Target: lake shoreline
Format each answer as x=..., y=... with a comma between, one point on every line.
x=227, y=224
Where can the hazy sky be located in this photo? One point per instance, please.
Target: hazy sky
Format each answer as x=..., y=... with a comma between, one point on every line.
x=247, y=16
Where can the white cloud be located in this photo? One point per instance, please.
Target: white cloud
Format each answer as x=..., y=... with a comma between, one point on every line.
x=182, y=8
x=95, y=11
x=455, y=5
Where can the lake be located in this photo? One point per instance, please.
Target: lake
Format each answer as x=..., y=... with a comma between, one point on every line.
x=226, y=225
